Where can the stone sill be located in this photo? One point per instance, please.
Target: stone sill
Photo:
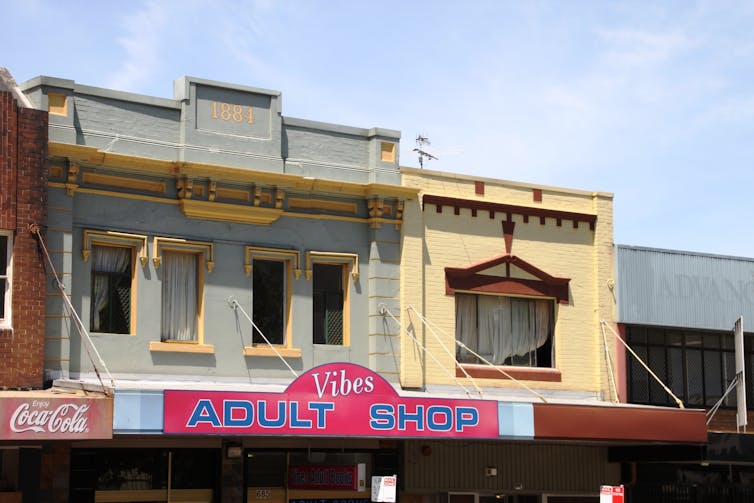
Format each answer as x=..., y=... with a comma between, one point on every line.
x=267, y=351
x=181, y=347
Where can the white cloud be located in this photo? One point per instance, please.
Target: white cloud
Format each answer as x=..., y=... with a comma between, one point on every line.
x=141, y=43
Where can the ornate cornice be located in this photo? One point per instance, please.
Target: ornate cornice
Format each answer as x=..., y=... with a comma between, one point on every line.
x=475, y=205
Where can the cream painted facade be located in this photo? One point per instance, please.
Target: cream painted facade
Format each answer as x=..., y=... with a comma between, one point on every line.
x=561, y=247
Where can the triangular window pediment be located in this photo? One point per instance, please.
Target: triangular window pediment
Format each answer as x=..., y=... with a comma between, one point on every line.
x=506, y=275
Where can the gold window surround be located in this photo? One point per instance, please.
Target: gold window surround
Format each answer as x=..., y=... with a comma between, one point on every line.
x=332, y=257
x=258, y=252
x=113, y=238
x=345, y=260
x=207, y=249
x=291, y=259
x=134, y=242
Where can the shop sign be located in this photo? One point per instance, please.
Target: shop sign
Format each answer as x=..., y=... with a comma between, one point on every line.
x=336, y=399
x=349, y=477
x=383, y=488
x=611, y=494
x=53, y=418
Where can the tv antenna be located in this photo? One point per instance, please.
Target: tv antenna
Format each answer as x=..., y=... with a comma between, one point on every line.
x=421, y=143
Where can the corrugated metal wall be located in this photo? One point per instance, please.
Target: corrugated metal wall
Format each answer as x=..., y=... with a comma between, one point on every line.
x=537, y=467
x=682, y=289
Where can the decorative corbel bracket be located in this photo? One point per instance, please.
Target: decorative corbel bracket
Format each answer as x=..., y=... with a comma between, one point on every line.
x=71, y=182
x=279, y=198
x=184, y=187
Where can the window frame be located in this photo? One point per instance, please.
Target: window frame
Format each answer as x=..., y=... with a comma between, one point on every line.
x=350, y=274
x=132, y=294
x=517, y=278
x=138, y=245
x=6, y=321
x=204, y=251
x=644, y=340
x=291, y=268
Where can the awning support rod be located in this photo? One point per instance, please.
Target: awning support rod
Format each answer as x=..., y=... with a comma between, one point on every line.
x=88, y=344
x=233, y=303
x=385, y=311
x=667, y=390
x=485, y=361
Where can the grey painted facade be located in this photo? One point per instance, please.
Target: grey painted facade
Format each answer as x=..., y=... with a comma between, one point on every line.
x=682, y=289
x=218, y=165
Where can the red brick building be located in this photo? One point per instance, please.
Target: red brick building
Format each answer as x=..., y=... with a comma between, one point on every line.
x=23, y=194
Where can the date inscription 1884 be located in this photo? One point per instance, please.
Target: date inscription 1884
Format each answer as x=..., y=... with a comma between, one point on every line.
x=230, y=112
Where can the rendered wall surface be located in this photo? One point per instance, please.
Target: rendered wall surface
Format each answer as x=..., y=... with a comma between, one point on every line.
x=218, y=165
x=459, y=237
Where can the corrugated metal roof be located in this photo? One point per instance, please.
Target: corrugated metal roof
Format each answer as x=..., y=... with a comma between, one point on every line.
x=683, y=289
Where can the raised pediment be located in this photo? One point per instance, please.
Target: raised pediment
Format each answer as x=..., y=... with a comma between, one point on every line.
x=506, y=275
x=508, y=269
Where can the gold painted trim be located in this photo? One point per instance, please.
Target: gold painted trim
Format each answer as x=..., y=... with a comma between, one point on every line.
x=114, y=238
x=267, y=351
x=341, y=258
x=181, y=347
x=183, y=245
x=57, y=104
x=211, y=210
x=321, y=204
x=233, y=194
x=122, y=182
x=150, y=166
x=387, y=151
x=291, y=214
x=252, y=252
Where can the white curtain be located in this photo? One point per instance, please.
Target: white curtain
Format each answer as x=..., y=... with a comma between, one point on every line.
x=500, y=327
x=179, y=297
x=466, y=323
x=105, y=259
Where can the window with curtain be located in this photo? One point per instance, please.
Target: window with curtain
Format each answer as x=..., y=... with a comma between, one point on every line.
x=6, y=252
x=111, y=289
x=328, y=304
x=504, y=330
x=269, y=301
x=180, y=297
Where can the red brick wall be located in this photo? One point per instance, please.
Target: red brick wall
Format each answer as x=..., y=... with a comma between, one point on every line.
x=23, y=201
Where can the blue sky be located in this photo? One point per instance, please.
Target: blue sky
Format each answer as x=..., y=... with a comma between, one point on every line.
x=652, y=101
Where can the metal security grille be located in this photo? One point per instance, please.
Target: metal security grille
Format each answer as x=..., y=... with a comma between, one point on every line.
x=334, y=318
x=328, y=301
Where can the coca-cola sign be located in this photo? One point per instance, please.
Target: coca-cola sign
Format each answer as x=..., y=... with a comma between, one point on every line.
x=41, y=417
